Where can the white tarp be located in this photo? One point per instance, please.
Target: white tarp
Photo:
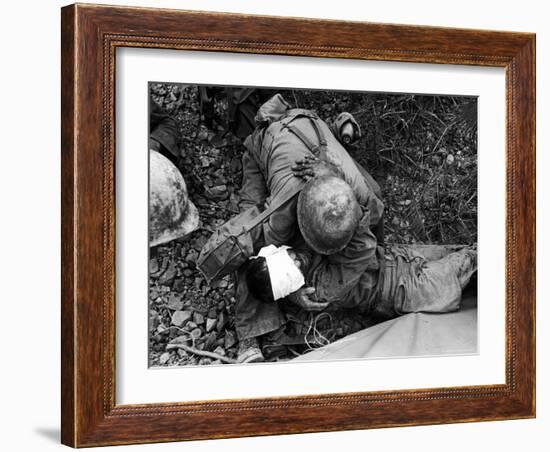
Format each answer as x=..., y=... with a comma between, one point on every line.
x=418, y=334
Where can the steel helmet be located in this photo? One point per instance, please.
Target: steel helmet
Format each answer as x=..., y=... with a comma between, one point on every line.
x=171, y=214
x=327, y=214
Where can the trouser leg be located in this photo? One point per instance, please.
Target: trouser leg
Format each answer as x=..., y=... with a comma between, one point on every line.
x=413, y=284
x=428, y=252
x=464, y=263
x=253, y=317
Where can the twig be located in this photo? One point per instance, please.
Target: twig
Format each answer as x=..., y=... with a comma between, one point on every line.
x=389, y=113
x=196, y=351
x=441, y=137
x=433, y=115
x=470, y=198
x=184, y=332
x=295, y=99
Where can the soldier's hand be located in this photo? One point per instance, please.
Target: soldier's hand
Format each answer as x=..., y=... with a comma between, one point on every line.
x=303, y=167
x=310, y=167
x=306, y=299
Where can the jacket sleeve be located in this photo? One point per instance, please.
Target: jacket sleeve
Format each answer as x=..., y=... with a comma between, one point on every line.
x=282, y=224
x=254, y=189
x=364, y=187
x=163, y=128
x=336, y=275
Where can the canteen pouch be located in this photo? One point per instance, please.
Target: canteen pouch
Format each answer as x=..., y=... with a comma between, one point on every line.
x=229, y=246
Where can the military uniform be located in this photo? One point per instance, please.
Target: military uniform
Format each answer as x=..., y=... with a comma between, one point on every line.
x=272, y=151
x=163, y=130
x=397, y=281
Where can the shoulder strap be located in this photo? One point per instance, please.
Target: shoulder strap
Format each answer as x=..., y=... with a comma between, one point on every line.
x=321, y=141
x=273, y=207
x=314, y=148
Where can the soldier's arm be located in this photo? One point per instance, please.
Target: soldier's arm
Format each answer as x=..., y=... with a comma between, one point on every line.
x=162, y=130
x=254, y=189
x=282, y=224
x=366, y=189
x=336, y=275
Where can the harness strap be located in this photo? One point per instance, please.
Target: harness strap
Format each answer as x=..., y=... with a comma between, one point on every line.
x=314, y=148
x=273, y=207
x=321, y=141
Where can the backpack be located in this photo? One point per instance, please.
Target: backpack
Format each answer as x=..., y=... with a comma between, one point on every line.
x=232, y=243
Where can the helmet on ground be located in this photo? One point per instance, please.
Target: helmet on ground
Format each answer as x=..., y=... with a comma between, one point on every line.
x=327, y=214
x=171, y=214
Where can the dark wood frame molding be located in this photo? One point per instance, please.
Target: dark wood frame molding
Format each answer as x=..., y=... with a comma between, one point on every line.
x=90, y=35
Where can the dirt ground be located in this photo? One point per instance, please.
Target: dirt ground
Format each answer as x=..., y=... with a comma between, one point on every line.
x=421, y=149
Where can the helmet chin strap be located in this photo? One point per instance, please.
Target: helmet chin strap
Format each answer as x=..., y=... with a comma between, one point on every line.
x=285, y=276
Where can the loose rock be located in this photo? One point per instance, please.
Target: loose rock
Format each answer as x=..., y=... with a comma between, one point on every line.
x=217, y=193
x=220, y=351
x=180, y=317
x=179, y=285
x=210, y=341
x=210, y=324
x=198, y=318
x=230, y=339
x=168, y=276
x=175, y=303
x=153, y=266
x=191, y=256
x=220, y=324
x=199, y=243
x=164, y=358
x=196, y=333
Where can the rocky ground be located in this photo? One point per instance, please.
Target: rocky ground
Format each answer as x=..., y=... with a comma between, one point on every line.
x=421, y=149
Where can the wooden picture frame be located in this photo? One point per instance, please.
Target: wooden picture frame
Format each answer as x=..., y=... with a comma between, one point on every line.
x=90, y=36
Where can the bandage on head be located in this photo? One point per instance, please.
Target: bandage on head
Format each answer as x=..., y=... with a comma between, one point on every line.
x=284, y=275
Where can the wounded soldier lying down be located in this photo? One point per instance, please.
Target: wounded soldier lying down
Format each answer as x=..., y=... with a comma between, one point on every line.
x=387, y=284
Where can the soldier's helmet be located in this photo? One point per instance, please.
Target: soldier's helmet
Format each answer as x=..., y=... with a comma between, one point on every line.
x=171, y=214
x=328, y=214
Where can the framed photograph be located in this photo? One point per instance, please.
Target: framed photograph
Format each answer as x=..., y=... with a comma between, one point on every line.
x=282, y=225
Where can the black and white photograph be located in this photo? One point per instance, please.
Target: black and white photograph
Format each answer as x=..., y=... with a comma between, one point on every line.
x=310, y=225
x=275, y=226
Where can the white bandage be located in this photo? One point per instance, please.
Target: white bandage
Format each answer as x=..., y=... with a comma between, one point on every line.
x=284, y=275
